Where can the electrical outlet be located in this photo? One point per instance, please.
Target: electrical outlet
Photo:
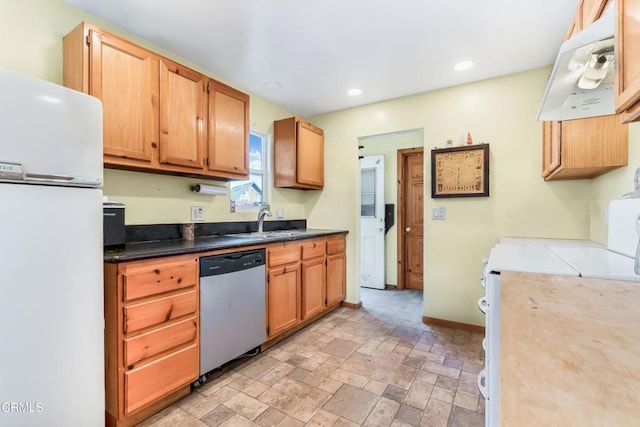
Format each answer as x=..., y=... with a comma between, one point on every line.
x=439, y=213
x=197, y=213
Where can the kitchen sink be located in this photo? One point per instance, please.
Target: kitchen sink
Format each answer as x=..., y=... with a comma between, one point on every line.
x=271, y=234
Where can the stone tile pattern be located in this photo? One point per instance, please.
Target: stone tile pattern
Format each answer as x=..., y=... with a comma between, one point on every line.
x=377, y=366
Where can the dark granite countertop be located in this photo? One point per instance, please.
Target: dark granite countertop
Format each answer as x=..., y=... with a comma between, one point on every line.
x=157, y=248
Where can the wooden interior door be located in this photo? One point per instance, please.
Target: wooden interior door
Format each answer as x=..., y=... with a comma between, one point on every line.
x=125, y=78
x=182, y=126
x=411, y=202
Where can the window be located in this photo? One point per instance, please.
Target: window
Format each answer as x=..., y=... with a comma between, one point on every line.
x=368, y=192
x=251, y=194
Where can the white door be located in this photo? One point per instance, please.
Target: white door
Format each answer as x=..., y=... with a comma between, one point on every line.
x=372, y=222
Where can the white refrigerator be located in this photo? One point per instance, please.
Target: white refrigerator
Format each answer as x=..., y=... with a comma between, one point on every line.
x=51, y=297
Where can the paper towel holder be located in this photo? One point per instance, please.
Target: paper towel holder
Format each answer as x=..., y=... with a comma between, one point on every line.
x=212, y=190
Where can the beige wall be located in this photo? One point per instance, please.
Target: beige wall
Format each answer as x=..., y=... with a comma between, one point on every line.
x=501, y=112
x=388, y=145
x=31, y=34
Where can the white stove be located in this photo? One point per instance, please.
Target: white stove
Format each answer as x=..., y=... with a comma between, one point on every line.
x=558, y=257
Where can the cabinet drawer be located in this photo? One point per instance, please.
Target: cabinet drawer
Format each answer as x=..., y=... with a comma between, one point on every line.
x=335, y=245
x=157, y=311
x=314, y=249
x=159, y=340
x=283, y=255
x=149, y=382
x=156, y=278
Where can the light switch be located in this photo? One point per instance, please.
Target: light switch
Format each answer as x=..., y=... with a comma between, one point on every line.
x=439, y=213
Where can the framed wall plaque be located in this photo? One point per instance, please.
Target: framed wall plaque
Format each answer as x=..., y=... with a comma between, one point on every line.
x=460, y=171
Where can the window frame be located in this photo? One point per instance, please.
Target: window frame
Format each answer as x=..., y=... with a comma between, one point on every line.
x=265, y=172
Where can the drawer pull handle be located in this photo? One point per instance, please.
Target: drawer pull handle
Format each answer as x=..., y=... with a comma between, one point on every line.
x=157, y=271
x=130, y=367
x=179, y=280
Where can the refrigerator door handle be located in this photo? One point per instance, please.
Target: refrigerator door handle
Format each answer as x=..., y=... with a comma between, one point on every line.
x=15, y=172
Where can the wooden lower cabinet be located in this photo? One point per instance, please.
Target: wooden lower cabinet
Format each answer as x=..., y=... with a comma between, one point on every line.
x=151, y=335
x=304, y=280
x=313, y=287
x=283, y=294
x=336, y=269
x=336, y=278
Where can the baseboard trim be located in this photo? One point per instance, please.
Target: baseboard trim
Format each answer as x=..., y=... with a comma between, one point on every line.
x=352, y=305
x=451, y=324
x=388, y=286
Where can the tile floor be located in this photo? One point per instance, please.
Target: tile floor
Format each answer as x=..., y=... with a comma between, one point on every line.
x=377, y=366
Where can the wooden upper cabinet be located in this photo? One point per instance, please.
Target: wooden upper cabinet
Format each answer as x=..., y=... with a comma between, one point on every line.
x=591, y=11
x=628, y=60
x=584, y=148
x=182, y=117
x=550, y=147
x=156, y=111
x=228, y=136
x=310, y=155
x=122, y=77
x=298, y=154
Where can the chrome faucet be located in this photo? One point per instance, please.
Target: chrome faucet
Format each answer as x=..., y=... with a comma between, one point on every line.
x=264, y=211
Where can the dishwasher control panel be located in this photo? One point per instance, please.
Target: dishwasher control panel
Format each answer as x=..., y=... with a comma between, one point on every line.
x=227, y=263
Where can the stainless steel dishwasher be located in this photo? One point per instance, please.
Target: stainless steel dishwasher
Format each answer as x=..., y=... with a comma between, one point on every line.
x=232, y=306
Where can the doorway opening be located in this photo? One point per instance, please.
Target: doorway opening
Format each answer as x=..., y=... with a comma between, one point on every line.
x=389, y=145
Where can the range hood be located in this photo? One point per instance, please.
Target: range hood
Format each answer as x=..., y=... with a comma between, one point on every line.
x=582, y=81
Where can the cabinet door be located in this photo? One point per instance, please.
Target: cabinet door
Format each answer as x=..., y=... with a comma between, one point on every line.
x=551, y=138
x=628, y=59
x=122, y=76
x=309, y=155
x=336, y=271
x=182, y=125
x=228, y=136
x=313, y=287
x=283, y=298
x=591, y=11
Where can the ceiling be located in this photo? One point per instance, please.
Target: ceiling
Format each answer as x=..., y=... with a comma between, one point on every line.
x=317, y=50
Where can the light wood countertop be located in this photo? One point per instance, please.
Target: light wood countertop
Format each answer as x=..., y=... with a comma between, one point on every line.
x=569, y=351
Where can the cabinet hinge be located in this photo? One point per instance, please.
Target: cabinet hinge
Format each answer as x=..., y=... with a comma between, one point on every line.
x=267, y=331
x=268, y=279
x=208, y=87
x=88, y=40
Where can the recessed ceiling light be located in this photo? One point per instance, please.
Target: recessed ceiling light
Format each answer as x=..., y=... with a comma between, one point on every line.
x=354, y=92
x=463, y=65
x=273, y=85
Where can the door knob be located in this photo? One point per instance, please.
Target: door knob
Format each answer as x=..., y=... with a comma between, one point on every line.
x=407, y=229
